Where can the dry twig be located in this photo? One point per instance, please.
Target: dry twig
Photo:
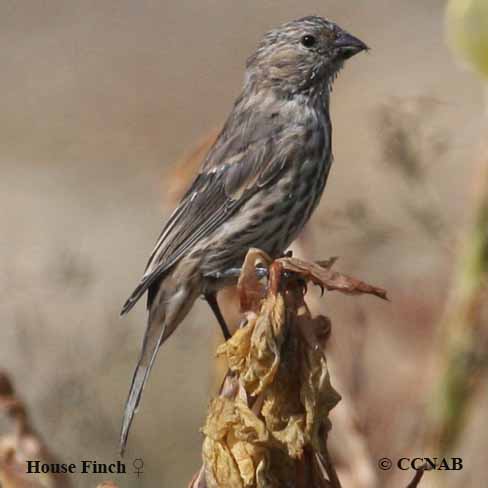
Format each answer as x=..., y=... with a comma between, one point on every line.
x=24, y=444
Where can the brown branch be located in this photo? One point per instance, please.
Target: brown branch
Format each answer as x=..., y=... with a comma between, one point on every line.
x=418, y=476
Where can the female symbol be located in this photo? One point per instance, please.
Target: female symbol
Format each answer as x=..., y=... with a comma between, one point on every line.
x=138, y=464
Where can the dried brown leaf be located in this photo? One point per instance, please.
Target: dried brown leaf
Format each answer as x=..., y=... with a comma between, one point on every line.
x=233, y=450
x=270, y=424
x=297, y=404
x=254, y=350
x=249, y=288
x=321, y=274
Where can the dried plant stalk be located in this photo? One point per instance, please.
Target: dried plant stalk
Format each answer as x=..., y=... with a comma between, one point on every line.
x=25, y=443
x=269, y=426
x=354, y=461
x=465, y=331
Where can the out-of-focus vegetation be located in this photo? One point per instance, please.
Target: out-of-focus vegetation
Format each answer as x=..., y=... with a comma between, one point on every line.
x=463, y=334
x=467, y=22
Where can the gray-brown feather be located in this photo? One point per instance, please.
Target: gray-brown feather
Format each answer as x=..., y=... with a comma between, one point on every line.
x=279, y=128
x=258, y=185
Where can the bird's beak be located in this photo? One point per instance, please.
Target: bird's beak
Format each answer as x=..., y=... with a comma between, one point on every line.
x=348, y=45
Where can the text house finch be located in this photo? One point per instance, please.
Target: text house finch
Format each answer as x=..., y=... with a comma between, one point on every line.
x=257, y=186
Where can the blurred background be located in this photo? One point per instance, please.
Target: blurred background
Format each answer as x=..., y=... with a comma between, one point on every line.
x=98, y=100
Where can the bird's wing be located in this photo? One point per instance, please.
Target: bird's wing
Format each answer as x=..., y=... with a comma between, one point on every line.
x=232, y=172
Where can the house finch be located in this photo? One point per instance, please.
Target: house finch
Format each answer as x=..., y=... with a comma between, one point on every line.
x=257, y=186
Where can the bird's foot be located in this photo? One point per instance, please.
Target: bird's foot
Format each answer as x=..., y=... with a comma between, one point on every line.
x=232, y=274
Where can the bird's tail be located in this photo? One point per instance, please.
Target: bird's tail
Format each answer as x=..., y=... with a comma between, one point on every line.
x=168, y=306
x=155, y=334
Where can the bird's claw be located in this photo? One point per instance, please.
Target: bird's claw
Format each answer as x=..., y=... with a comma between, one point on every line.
x=262, y=272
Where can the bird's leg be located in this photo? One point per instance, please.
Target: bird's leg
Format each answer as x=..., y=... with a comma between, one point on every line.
x=229, y=276
x=212, y=301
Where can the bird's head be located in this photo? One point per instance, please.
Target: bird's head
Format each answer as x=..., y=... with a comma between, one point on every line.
x=302, y=54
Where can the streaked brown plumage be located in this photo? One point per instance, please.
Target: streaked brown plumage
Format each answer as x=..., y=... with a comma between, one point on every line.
x=258, y=185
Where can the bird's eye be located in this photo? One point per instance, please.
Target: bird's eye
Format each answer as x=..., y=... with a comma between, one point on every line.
x=308, y=41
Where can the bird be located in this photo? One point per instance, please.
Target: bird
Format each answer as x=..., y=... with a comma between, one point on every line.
x=257, y=186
